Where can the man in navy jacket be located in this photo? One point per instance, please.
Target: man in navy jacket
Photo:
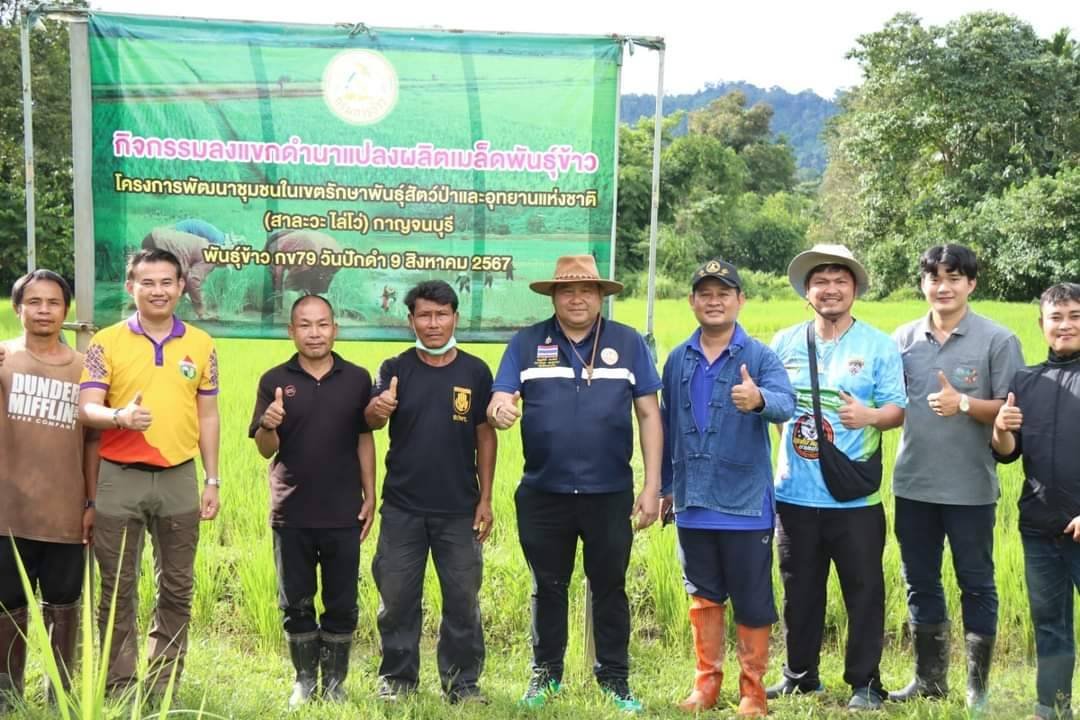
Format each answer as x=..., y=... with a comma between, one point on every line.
x=721, y=389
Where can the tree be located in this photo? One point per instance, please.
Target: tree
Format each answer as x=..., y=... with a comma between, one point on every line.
x=946, y=118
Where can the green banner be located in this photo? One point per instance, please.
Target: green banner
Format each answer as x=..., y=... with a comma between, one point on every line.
x=276, y=160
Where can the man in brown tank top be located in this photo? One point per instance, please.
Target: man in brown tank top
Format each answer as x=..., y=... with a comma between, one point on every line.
x=48, y=479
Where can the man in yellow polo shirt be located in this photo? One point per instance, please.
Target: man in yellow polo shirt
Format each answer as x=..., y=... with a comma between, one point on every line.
x=150, y=383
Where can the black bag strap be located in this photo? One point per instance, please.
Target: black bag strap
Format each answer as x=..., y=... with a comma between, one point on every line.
x=815, y=390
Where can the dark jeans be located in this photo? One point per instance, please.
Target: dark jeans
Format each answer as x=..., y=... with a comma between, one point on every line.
x=1052, y=569
x=549, y=525
x=736, y=564
x=921, y=529
x=808, y=539
x=400, y=560
x=336, y=551
x=57, y=568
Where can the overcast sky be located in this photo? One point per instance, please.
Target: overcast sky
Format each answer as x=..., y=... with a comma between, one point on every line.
x=794, y=44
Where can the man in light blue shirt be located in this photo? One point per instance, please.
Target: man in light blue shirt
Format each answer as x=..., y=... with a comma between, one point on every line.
x=861, y=381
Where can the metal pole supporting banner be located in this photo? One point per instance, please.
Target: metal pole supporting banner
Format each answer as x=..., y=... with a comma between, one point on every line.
x=654, y=213
x=81, y=160
x=28, y=139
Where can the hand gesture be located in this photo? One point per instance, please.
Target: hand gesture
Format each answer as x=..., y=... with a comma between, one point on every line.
x=209, y=503
x=274, y=414
x=386, y=402
x=853, y=414
x=483, y=519
x=746, y=396
x=366, y=517
x=1009, y=417
x=646, y=509
x=1073, y=528
x=134, y=416
x=945, y=403
x=505, y=415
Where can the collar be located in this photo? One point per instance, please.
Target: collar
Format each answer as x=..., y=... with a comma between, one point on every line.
x=961, y=328
x=293, y=365
x=1052, y=358
x=737, y=342
x=586, y=339
x=177, y=331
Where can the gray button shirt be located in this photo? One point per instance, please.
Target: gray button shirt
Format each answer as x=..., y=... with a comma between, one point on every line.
x=947, y=460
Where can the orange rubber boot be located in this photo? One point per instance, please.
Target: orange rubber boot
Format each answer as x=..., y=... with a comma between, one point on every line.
x=753, y=650
x=707, y=623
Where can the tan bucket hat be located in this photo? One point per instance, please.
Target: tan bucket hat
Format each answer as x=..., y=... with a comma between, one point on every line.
x=825, y=254
x=576, y=268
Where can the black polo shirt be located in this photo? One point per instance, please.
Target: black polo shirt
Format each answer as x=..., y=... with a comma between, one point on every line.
x=315, y=476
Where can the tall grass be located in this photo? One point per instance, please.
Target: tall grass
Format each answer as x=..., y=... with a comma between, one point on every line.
x=236, y=598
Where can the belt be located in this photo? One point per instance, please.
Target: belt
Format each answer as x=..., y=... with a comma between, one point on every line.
x=147, y=467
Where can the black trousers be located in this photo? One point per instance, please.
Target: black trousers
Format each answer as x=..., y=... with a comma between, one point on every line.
x=405, y=539
x=57, y=568
x=808, y=539
x=297, y=554
x=549, y=525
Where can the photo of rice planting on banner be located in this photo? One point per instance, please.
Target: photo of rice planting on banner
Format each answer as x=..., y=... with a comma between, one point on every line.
x=279, y=160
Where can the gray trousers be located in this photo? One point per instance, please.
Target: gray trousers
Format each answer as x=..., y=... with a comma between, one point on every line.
x=165, y=504
x=400, y=560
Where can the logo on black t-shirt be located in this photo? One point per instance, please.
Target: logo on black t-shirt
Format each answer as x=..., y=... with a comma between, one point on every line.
x=462, y=403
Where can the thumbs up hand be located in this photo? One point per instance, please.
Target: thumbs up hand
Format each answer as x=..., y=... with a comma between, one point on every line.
x=274, y=414
x=746, y=396
x=505, y=412
x=1009, y=417
x=945, y=403
x=386, y=403
x=853, y=414
x=134, y=416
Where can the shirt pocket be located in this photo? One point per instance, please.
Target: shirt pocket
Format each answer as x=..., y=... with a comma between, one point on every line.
x=965, y=374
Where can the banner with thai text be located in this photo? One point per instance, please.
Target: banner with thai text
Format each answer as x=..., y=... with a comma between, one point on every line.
x=279, y=160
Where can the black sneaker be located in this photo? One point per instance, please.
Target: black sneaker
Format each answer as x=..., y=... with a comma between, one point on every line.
x=790, y=686
x=469, y=695
x=621, y=696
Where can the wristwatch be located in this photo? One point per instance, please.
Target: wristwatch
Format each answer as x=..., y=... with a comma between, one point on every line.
x=213, y=481
x=965, y=404
x=89, y=504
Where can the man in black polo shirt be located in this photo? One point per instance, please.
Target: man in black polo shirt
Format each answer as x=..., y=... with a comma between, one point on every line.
x=309, y=416
x=582, y=379
x=436, y=497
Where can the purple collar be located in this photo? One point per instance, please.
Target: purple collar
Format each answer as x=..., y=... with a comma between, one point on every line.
x=177, y=331
x=178, y=327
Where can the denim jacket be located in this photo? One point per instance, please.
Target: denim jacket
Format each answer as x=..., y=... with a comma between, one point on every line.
x=728, y=466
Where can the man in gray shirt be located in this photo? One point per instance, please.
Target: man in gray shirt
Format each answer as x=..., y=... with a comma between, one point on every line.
x=957, y=366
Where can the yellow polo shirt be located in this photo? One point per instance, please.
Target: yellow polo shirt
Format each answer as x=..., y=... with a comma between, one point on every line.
x=123, y=361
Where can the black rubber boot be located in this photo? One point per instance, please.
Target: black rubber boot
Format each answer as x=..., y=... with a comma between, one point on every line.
x=12, y=657
x=980, y=651
x=334, y=663
x=62, y=624
x=930, y=644
x=304, y=651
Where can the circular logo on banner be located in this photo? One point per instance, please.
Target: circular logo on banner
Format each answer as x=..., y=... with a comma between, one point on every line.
x=609, y=355
x=360, y=86
x=804, y=438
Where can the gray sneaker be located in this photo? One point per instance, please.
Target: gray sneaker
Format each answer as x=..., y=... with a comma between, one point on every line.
x=866, y=698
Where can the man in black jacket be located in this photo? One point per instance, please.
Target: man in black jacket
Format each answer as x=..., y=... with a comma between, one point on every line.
x=1049, y=394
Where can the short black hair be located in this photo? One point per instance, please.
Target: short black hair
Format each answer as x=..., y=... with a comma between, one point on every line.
x=954, y=258
x=303, y=298
x=437, y=291
x=1060, y=294
x=153, y=256
x=19, y=288
x=829, y=267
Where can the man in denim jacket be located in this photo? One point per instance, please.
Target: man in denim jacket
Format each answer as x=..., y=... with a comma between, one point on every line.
x=721, y=390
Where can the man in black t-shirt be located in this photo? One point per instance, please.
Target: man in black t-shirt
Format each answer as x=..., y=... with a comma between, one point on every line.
x=309, y=416
x=436, y=497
